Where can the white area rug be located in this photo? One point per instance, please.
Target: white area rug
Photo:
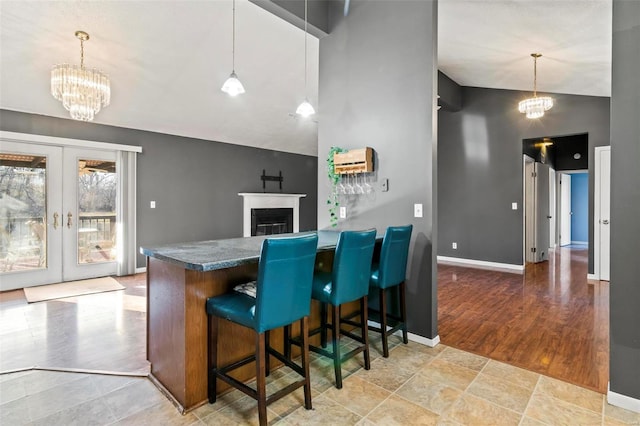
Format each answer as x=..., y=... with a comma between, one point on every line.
x=71, y=289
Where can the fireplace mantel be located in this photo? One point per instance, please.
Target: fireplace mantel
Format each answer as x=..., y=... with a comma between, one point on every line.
x=261, y=200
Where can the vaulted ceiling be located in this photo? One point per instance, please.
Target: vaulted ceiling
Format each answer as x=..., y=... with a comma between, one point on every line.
x=167, y=60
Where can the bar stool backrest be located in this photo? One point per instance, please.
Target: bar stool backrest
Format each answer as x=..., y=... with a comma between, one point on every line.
x=285, y=275
x=393, y=255
x=352, y=266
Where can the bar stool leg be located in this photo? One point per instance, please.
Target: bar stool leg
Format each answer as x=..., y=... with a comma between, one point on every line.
x=323, y=325
x=335, y=335
x=304, y=333
x=403, y=313
x=212, y=337
x=383, y=322
x=261, y=381
x=364, y=319
x=287, y=342
x=267, y=364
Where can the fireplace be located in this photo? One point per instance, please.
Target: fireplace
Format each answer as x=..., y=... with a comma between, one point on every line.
x=271, y=221
x=272, y=207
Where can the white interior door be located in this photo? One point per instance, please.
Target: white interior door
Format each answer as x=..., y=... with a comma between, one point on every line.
x=602, y=210
x=89, y=206
x=529, y=209
x=30, y=215
x=565, y=209
x=553, y=240
x=542, y=215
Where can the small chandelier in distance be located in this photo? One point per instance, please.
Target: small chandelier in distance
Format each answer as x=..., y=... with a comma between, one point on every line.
x=82, y=91
x=232, y=86
x=536, y=106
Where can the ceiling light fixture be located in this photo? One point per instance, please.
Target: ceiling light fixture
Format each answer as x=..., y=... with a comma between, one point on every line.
x=82, y=91
x=305, y=109
x=536, y=106
x=233, y=86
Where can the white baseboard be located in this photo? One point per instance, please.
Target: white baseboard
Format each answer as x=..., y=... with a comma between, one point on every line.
x=623, y=401
x=424, y=340
x=141, y=270
x=481, y=264
x=592, y=277
x=580, y=242
x=411, y=336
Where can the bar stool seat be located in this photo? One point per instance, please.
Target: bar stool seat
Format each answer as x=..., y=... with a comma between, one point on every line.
x=348, y=282
x=282, y=297
x=388, y=273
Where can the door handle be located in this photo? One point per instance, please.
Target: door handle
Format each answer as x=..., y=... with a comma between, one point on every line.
x=55, y=220
x=605, y=221
x=549, y=217
x=69, y=220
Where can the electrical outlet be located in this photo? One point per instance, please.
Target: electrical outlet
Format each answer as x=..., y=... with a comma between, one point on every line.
x=514, y=206
x=152, y=205
x=417, y=210
x=343, y=212
x=454, y=246
x=385, y=185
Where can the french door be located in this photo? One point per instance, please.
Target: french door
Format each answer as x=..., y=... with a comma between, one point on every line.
x=57, y=214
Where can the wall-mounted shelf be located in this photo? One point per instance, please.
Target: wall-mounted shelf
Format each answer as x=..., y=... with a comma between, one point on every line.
x=353, y=161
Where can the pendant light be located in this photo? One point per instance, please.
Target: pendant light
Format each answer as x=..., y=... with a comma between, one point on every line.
x=233, y=86
x=305, y=109
x=536, y=106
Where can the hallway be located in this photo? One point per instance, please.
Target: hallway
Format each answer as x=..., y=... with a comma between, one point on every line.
x=549, y=320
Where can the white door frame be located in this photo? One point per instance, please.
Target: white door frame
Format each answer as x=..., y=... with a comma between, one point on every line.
x=527, y=203
x=596, y=211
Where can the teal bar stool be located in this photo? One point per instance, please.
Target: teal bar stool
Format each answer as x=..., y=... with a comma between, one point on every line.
x=348, y=282
x=391, y=272
x=282, y=297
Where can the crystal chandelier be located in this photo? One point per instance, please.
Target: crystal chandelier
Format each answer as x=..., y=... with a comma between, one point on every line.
x=536, y=106
x=305, y=109
x=82, y=91
x=233, y=86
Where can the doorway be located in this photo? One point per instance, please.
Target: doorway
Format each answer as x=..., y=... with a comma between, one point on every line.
x=573, y=208
x=59, y=217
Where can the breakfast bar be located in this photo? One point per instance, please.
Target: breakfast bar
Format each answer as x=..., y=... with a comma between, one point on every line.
x=180, y=278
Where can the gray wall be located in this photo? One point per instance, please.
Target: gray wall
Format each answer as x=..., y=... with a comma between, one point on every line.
x=194, y=182
x=378, y=90
x=480, y=168
x=624, y=370
x=449, y=92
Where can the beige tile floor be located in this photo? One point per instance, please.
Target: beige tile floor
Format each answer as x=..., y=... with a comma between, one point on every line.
x=416, y=385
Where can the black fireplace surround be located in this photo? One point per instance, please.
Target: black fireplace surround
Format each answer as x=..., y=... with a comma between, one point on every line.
x=271, y=221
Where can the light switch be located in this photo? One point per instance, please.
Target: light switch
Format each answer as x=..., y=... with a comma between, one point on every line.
x=514, y=206
x=385, y=185
x=343, y=212
x=417, y=210
x=152, y=205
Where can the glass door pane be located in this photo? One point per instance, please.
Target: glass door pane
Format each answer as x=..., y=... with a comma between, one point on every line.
x=23, y=204
x=96, y=233
x=90, y=197
x=30, y=219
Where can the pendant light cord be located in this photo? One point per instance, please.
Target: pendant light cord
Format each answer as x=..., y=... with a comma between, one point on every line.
x=535, y=76
x=305, y=49
x=233, y=39
x=81, y=54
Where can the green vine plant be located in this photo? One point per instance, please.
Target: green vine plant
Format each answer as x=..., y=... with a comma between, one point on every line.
x=333, y=201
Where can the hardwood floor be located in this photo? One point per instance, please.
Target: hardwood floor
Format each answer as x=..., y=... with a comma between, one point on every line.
x=549, y=320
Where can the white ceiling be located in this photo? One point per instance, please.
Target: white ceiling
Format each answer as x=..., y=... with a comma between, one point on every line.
x=168, y=59
x=487, y=43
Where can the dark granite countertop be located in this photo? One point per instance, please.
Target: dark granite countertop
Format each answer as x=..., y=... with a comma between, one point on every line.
x=221, y=254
